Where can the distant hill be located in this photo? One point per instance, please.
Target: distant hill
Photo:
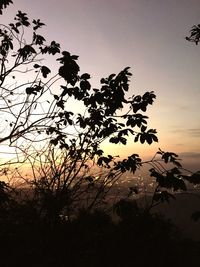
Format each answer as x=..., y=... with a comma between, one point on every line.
x=180, y=211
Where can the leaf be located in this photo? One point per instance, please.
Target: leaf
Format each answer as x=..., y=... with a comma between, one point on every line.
x=38, y=24
x=38, y=39
x=85, y=76
x=14, y=28
x=169, y=157
x=33, y=90
x=26, y=51
x=136, y=138
x=81, y=121
x=194, y=178
x=57, y=98
x=149, y=139
x=111, y=77
x=154, y=137
x=22, y=18
x=114, y=140
x=4, y=4
x=104, y=160
x=142, y=138
x=53, y=49
x=60, y=104
x=122, y=140
x=85, y=85
x=123, y=132
x=45, y=71
x=103, y=81
x=137, y=98
x=36, y=66
x=143, y=128
x=54, y=141
x=69, y=71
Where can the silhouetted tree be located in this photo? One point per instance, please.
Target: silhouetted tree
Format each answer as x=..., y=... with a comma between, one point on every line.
x=62, y=145
x=31, y=111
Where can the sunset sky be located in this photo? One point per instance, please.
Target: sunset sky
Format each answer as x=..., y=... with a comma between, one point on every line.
x=148, y=36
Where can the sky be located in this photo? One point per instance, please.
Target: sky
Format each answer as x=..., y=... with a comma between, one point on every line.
x=146, y=35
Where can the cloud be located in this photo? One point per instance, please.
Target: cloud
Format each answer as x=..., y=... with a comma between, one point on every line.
x=191, y=155
x=182, y=107
x=190, y=160
x=179, y=144
x=192, y=132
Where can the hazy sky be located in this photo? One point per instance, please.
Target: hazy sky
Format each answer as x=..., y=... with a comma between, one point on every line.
x=148, y=36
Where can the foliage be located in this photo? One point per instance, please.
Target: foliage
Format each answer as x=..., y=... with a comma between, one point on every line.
x=95, y=240
x=62, y=146
x=5, y=197
x=194, y=34
x=195, y=177
x=39, y=109
x=24, y=103
x=4, y=4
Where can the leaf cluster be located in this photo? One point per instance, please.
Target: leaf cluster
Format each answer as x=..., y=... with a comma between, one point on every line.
x=194, y=34
x=4, y=4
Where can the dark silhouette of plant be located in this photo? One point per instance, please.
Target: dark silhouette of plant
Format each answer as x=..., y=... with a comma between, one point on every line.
x=62, y=145
x=5, y=197
x=4, y=4
x=194, y=34
x=23, y=103
x=195, y=177
x=38, y=121
x=27, y=105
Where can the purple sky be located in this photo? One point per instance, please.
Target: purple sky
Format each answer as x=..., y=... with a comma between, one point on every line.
x=148, y=36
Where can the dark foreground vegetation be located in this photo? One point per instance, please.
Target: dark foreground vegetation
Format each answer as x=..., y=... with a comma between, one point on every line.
x=123, y=235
